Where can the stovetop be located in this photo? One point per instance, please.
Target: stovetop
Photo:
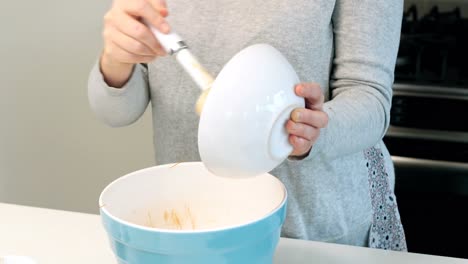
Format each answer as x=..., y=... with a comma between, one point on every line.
x=433, y=49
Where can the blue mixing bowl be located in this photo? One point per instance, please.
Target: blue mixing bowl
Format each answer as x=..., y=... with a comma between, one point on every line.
x=180, y=214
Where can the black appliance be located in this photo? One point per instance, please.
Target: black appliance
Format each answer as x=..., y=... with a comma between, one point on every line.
x=428, y=135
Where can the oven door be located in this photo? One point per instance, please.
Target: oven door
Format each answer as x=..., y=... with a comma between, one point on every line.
x=433, y=199
x=431, y=167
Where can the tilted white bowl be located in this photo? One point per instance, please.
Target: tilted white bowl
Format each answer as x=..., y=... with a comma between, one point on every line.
x=242, y=126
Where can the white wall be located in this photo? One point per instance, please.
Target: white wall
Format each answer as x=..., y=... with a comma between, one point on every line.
x=53, y=151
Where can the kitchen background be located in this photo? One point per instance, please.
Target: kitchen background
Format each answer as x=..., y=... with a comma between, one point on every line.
x=55, y=154
x=428, y=136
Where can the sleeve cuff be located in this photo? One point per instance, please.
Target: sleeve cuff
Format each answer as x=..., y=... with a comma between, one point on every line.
x=139, y=72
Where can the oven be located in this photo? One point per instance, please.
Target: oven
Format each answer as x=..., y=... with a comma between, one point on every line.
x=428, y=133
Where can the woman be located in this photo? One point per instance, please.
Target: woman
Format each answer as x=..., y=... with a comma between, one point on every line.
x=340, y=176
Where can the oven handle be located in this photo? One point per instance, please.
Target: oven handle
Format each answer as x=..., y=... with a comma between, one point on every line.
x=451, y=166
x=432, y=175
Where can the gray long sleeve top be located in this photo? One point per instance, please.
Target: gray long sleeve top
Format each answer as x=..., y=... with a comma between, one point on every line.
x=349, y=47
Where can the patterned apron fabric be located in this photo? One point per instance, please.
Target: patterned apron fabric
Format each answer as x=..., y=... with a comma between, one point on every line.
x=386, y=230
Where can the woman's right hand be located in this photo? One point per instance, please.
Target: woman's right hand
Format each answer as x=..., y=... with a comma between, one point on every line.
x=127, y=40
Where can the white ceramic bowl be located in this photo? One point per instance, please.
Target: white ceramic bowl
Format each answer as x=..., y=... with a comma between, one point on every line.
x=242, y=126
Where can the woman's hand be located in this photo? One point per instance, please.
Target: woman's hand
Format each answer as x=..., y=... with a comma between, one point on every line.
x=127, y=40
x=305, y=123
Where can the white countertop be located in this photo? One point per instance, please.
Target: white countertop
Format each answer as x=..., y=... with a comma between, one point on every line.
x=58, y=237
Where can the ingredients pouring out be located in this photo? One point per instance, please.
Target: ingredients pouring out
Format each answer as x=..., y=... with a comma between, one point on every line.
x=173, y=219
x=174, y=45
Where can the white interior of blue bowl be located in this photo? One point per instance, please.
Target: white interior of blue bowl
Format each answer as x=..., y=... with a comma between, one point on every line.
x=188, y=198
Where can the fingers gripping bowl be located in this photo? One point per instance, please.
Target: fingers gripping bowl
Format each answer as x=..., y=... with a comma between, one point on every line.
x=184, y=214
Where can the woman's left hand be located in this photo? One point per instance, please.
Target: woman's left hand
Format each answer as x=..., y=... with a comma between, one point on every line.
x=305, y=123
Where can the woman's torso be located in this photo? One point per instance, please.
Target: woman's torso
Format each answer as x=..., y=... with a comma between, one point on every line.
x=328, y=200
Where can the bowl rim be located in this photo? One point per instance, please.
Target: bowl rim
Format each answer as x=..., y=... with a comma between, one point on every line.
x=103, y=210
